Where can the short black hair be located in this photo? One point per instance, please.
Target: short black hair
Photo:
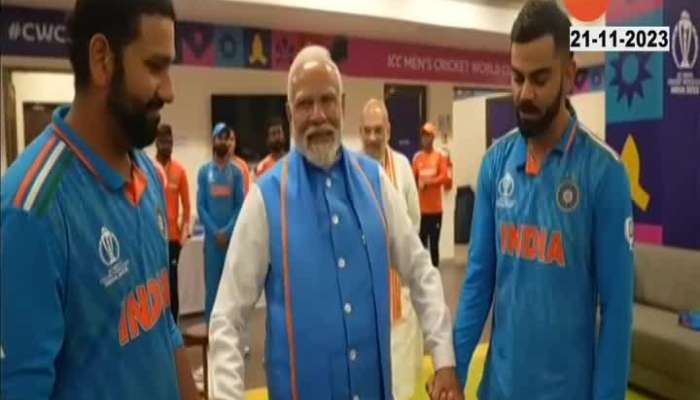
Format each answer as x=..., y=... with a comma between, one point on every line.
x=274, y=121
x=539, y=18
x=165, y=130
x=117, y=20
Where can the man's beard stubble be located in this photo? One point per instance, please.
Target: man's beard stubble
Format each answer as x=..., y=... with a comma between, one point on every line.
x=138, y=122
x=533, y=128
x=323, y=153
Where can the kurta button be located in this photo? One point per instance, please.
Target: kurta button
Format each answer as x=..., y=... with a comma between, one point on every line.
x=329, y=183
x=353, y=355
x=335, y=219
x=341, y=263
x=347, y=308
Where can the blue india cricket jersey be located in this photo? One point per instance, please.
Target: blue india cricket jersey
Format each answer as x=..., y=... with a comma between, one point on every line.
x=220, y=192
x=551, y=247
x=219, y=197
x=84, y=288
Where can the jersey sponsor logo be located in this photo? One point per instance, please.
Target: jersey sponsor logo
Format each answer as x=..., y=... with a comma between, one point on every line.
x=226, y=174
x=568, y=195
x=506, y=189
x=220, y=191
x=161, y=222
x=629, y=232
x=533, y=243
x=143, y=307
x=109, y=250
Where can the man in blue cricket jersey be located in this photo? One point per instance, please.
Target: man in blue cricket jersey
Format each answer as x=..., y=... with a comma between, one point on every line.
x=552, y=239
x=84, y=288
x=219, y=199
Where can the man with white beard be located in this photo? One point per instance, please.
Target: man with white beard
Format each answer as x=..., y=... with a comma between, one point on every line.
x=319, y=232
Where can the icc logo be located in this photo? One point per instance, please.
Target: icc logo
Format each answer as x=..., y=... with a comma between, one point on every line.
x=109, y=247
x=629, y=232
x=506, y=188
x=685, y=44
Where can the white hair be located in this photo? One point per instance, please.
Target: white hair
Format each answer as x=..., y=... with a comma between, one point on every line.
x=321, y=154
x=309, y=54
x=375, y=103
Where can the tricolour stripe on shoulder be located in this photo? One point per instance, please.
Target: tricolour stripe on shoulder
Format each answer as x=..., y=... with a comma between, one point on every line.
x=596, y=140
x=26, y=183
x=503, y=138
x=52, y=182
x=41, y=176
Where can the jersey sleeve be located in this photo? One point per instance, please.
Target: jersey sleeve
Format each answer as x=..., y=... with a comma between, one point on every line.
x=443, y=177
x=202, y=203
x=477, y=290
x=238, y=195
x=614, y=274
x=31, y=288
x=184, y=193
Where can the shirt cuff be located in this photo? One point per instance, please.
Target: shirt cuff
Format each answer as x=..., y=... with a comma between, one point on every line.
x=443, y=356
x=176, y=337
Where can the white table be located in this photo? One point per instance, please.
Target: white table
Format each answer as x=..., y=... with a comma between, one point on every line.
x=190, y=277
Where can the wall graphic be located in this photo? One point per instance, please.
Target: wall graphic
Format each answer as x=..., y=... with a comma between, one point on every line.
x=653, y=121
x=38, y=32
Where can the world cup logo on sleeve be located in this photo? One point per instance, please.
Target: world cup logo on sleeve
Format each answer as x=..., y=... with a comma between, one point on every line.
x=629, y=232
x=685, y=42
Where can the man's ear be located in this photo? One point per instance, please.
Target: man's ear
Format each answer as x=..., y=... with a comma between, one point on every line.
x=570, y=69
x=102, y=60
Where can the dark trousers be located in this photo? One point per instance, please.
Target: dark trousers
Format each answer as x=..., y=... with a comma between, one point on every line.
x=430, y=225
x=174, y=254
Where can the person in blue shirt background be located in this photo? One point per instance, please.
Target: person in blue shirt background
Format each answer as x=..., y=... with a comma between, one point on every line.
x=219, y=200
x=552, y=239
x=84, y=254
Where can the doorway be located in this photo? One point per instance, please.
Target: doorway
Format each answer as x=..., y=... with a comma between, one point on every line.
x=407, y=113
x=37, y=115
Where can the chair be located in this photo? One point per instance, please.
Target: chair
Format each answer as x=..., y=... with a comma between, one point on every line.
x=198, y=335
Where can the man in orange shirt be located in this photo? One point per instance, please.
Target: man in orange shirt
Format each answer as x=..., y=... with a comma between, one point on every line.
x=275, y=143
x=176, y=191
x=432, y=173
x=240, y=163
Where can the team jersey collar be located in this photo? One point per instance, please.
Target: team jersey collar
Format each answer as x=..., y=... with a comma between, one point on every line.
x=561, y=148
x=94, y=163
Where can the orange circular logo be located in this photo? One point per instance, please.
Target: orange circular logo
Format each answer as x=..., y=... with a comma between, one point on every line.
x=587, y=10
